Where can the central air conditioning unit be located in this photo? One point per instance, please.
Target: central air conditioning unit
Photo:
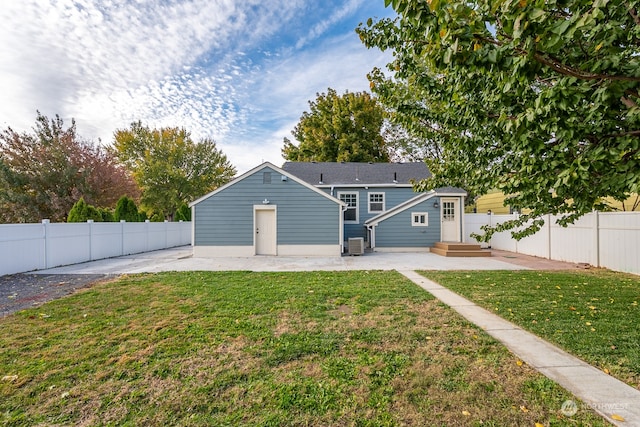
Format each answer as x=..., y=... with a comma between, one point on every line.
x=356, y=246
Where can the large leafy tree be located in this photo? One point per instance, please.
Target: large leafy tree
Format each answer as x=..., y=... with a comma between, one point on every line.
x=44, y=172
x=536, y=98
x=171, y=168
x=339, y=128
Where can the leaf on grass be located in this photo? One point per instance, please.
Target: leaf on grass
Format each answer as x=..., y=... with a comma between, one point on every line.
x=519, y=362
x=606, y=371
x=466, y=413
x=539, y=425
x=524, y=408
x=617, y=417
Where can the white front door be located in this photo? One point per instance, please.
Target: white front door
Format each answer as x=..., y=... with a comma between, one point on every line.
x=450, y=219
x=265, y=231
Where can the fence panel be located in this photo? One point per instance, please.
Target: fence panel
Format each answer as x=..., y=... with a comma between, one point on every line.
x=610, y=239
x=21, y=248
x=28, y=247
x=106, y=240
x=620, y=241
x=577, y=242
x=67, y=243
x=135, y=237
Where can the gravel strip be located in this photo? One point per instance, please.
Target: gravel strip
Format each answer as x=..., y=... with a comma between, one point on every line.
x=21, y=291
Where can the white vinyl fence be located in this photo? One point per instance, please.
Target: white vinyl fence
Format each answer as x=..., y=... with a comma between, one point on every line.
x=602, y=239
x=28, y=247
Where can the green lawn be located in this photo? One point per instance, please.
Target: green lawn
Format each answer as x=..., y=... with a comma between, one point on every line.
x=592, y=314
x=264, y=349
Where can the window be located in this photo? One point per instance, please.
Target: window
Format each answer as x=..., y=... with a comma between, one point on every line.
x=419, y=219
x=351, y=214
x=376, y=202
x=448, y=211
x=266, y=177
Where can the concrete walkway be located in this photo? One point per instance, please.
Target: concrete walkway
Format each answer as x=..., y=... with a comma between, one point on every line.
x=599, y=391
x=181, y=259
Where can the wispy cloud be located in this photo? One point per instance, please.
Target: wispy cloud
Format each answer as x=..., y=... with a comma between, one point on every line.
x=323, y=26
x=239, y=72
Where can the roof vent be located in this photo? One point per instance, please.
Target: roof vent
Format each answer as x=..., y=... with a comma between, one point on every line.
x=321, y=182
x=395, y=177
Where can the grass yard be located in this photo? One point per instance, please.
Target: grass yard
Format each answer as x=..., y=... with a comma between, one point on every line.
x=592, y=314
x=266, y=349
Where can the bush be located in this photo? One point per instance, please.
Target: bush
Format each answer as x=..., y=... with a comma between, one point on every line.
x=81, y=212
x=127, y=210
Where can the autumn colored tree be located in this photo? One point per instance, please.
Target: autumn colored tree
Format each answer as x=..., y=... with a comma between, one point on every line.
x=540, y=99
x=43, y=173
x=170, y=168
x=339, y=128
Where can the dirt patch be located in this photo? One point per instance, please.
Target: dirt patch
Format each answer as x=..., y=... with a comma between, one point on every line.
x=22, y=291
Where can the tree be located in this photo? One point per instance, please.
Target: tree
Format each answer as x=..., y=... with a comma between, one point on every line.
x=43, y=173
x=339, y=128
x=536, y=98
x=170, y=168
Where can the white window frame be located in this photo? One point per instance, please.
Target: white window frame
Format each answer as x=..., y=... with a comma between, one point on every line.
x=377, y=193
x=419, y=223
x=356, y=207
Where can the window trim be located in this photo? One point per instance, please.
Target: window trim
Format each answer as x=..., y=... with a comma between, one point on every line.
x=415, y=223
x=356, y=207
x=384, y=201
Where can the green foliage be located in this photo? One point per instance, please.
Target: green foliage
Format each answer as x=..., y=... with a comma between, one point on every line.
x=127, y=210
x=106, y=214
x=183, y=213
x=536, y=98
x=339, y=128
x=44, y=172
x=170, y=168
x=81, y=212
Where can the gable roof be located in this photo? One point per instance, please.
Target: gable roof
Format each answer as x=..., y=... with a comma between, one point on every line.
x=352, y=173
x=276, y=169
x=443, y=191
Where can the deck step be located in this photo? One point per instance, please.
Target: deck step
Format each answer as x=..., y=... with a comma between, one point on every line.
x=449, y=249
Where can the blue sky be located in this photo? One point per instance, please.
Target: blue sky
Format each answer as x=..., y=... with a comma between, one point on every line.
x=241, y=72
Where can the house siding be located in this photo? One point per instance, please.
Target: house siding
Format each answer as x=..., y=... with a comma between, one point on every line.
x=396, y=231
x=393, y=196
x=303, y=216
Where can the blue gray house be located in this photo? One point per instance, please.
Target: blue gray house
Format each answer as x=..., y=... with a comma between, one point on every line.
x=313, y=208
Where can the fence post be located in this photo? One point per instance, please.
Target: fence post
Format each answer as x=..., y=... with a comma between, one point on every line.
x=122, y=221
x=45, y=223
x=548, y=222
x=90, y=222
x=147, y=227
x=596, y=236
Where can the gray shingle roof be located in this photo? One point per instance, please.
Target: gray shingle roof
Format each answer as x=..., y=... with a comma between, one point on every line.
x=350, y=173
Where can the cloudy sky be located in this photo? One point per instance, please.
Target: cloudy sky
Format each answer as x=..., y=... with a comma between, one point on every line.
x=239, y=71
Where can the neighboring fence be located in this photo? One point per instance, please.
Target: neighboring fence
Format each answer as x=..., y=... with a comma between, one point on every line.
x=602, y=239
x=27, y=247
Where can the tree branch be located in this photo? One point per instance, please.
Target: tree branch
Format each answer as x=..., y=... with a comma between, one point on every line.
x=634, y=15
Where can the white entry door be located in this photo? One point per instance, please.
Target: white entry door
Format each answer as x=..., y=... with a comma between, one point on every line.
x=265, y=231
x=450, y=219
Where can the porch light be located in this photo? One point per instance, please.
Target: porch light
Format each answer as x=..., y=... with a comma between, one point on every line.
x=436, y=204
x=265, y=202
